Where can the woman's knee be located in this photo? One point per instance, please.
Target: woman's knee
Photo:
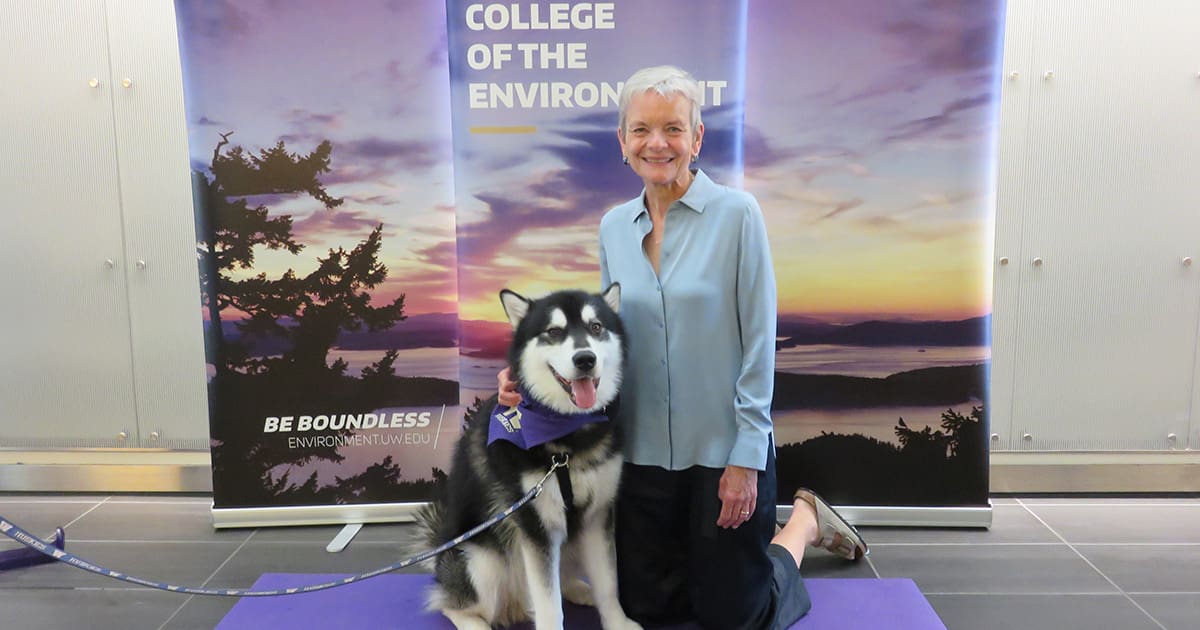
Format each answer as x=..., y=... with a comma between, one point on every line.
x=750, y=609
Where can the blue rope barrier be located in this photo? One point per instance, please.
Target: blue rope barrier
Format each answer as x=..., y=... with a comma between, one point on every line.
x=18, y=534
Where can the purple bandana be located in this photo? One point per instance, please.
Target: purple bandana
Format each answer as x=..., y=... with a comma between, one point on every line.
x=531, y=424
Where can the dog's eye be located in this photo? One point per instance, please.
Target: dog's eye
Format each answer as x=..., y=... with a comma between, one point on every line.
x=556, y=333
x=596, y=328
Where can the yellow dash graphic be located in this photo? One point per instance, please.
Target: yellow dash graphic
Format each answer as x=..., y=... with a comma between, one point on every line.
x=510, y=129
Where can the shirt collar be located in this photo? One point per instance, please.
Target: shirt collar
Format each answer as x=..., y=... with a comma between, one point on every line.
x=697, y=196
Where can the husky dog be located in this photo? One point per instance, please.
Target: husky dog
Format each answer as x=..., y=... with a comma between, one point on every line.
x=567, y=353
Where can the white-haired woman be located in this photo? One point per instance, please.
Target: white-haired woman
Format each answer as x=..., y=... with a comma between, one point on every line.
x=696, y=535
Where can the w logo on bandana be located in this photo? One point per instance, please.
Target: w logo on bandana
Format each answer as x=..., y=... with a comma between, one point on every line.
x=510, y=419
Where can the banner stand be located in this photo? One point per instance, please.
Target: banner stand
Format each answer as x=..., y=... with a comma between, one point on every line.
x=314, y=515
x=859, y=515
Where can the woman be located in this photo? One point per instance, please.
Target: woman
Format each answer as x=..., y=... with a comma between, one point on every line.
x=696, y=535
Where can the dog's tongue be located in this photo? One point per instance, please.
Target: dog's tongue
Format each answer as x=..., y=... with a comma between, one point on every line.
x=584, y=390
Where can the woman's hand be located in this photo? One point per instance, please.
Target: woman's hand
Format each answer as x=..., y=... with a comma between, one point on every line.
x=738, y=491
x=509, y=397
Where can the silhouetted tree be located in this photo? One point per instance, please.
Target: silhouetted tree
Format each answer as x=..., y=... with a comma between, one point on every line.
x=476, y=407
x=929, y=467
x=331, y=299
x=229, y=230
x=377, y=481
x=923, y=443
x=378, y=378
x=300, y=318
x=966, y=433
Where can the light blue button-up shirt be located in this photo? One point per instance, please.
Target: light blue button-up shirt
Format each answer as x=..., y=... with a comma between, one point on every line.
x=697, y=389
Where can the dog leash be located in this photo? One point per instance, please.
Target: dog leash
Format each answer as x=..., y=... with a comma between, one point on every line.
x=33, y=542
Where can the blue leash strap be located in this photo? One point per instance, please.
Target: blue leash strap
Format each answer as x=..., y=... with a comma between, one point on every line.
x=33, y=542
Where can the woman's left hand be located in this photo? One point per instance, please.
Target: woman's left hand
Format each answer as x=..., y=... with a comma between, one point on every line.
x=738, y=491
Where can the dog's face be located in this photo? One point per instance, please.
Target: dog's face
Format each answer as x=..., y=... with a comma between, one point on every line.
x=567, y=349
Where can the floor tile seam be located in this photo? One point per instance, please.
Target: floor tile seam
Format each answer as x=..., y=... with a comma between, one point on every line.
x=89, y=511
x=132, y=589
x=1024, y=593
x=109, y=500
x=324, y=543
x=45, y=502
x=176, y=612
x=34, y=587
x=207, y=504
x=376, y=543
x=75, y=587
x=1056, y=594
x=136, y=541
x=316, y=543
x=1035, y=544
x=1136, y=544
x=209, y=579
x=1095, y=568
x=1116, y=505
x=967, y=544
x=870, y=564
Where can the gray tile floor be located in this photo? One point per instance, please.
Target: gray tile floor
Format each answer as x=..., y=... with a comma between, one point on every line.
x=1065, y=564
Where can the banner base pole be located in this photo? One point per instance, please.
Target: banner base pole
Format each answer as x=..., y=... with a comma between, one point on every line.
x=343, y=538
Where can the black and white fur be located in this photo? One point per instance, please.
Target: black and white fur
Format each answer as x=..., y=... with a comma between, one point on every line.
x=523, y=567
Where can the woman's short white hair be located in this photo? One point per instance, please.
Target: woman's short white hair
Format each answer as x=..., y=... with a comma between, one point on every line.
x=667, y=81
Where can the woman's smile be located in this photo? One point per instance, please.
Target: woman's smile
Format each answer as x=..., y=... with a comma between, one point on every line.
x=659, y=141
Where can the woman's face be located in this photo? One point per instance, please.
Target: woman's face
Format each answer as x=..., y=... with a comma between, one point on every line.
x=658, y=138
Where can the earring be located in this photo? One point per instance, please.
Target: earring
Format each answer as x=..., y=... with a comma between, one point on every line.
x=695, y=158
x=625, y=159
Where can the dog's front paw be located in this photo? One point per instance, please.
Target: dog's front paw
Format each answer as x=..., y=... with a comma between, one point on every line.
x=578, y=592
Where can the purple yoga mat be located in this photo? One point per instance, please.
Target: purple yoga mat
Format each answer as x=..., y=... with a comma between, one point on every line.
x=397, y=601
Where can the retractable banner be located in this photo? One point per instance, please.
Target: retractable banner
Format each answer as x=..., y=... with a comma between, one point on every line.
x=320, y=143
x=370, y=175
x=870, y=143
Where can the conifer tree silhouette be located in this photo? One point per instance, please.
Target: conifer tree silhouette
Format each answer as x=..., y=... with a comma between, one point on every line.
x=300, y=317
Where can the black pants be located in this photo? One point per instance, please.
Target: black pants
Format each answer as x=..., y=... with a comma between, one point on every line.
x=674, y=564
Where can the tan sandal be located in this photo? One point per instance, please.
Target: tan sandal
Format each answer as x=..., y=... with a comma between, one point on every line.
x=835, y=533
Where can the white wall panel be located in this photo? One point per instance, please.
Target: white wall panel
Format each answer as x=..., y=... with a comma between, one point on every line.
x=1011, y=201
x=156, y=191
x=65, y=375
x=1106, y=331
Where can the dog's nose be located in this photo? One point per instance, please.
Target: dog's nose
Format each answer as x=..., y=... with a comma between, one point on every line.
x=585, y=360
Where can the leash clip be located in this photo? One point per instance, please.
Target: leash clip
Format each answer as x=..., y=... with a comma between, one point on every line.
x=555, y=464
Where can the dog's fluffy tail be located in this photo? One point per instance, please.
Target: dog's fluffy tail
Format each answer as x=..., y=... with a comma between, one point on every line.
x=425, y=535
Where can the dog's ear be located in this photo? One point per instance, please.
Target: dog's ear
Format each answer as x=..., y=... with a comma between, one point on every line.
x=515, y=307
x=612, y=295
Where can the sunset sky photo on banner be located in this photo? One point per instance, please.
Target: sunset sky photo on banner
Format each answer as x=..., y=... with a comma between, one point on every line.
x=868, y=139
x=533, y=181
x=371, y=79
x=866, y=129
x=871, y=150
